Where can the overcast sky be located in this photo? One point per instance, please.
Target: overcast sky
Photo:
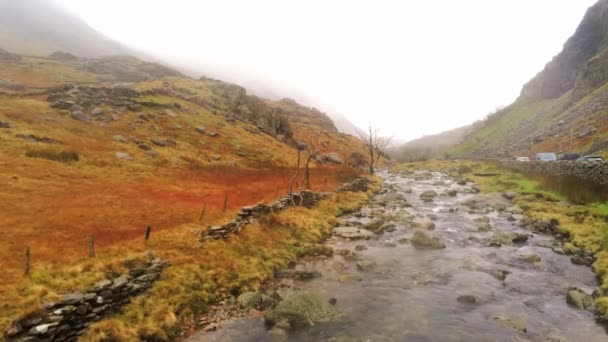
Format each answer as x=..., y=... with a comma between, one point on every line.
x=410, y=67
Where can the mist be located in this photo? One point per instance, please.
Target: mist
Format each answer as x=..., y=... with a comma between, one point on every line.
x=410, y=69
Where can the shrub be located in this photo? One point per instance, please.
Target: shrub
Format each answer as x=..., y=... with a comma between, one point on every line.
x=60, y=156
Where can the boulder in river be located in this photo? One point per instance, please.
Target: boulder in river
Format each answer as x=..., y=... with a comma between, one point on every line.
x=531, y=258
x=580, y=299
x=484, y=227
x=366, y=265
x=423, y=240
x=301, y=310
x=353, y=233
x=375, y=225
x=467, y=299
x=512, y=323
x=428, y=196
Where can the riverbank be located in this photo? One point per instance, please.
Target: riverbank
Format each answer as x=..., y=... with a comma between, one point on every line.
x=200, y=275
x=582, y=228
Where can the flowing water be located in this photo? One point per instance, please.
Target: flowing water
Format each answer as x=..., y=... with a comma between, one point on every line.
x=412, y=294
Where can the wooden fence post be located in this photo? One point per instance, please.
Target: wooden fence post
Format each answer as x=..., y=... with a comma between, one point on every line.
x=200, y=218
x=28, y=256
x=91, y=246
x=148, y=230
x=226, y=201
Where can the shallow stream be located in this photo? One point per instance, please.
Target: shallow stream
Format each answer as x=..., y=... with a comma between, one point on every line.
x=413, y=294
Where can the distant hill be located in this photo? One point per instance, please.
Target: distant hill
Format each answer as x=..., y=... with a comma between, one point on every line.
x=432, y=146
x=563, y=108
x=40, y=27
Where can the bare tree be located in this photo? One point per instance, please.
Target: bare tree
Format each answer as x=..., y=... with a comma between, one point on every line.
x=312, y=151
x=376, y=145
x=299, y=148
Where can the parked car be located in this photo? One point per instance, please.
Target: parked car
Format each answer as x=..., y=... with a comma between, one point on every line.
x=546, y=156
x=591, y=159
x=570, y=156
x=522, y=159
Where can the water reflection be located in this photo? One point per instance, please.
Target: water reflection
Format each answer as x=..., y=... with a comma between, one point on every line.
x=576, y=190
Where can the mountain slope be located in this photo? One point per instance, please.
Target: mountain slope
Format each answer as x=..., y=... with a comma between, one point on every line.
x=39, y=27
x=563, y=108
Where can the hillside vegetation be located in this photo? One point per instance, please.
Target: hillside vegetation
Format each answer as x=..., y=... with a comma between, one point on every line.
x=107, y=146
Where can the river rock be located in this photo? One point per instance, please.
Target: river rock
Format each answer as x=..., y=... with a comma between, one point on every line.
x=360, y=248
x=512, y=323
x=425, y=241
x=301, y=310
x=531, y=258
x=452, y=192
x=347, y=278
x=484, y=227
x=507, y=238
x=353, y=233
x=509, y=195
x=467, y=299
x=428, y=196
x=366, y=265
x=580, y=299
x=375, y=225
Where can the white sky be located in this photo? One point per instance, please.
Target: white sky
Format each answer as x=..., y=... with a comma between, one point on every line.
x=410, y=67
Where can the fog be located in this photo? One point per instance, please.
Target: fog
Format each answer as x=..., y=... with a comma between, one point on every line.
x=411, y=68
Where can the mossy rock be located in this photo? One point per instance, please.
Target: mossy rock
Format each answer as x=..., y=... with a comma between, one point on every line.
x=256, y=300
x=301, y=310
x=426, y=241
x=579, y=299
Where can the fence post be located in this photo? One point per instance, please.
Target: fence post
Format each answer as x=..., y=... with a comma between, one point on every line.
x=28, y=255
x=147, y=236
x=200, y=218
x=91, y=246
x=226, y=201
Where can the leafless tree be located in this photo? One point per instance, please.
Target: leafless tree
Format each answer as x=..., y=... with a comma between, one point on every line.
x=312, y=151
x=376, y=146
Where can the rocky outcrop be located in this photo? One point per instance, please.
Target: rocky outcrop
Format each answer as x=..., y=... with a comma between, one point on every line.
x=596, y=172
x=68, y=318
x=249, y=213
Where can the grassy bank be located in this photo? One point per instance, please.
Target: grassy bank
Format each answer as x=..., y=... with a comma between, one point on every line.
x=587, y=225
x=199, y=276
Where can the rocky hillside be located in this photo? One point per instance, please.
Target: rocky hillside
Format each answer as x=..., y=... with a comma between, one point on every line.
x=564, y=108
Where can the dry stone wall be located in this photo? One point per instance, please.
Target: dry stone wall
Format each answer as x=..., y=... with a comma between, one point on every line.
x=596, y=172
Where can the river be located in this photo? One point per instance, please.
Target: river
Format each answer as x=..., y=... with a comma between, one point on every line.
x=450, y=294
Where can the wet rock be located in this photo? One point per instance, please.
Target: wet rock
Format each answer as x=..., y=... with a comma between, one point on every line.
x=366, y=265
x=360, y=248
x=467, y=299
x=507, y=238
x=403, y=240
x=558, y=250
x=512, y=323
x=302, y=275
x=425, y=241
x=424, y=225
x=530, y=258
x=484, y=227
x=353, y=233
x=579, y=260
x=389, y=244
x=428, y=196
x=509, y=195
x=462, y=182
x=452, y=192
x=432, y=217
x=580, y=299
x=301, y=310
x=375, y=225
x=500, y=274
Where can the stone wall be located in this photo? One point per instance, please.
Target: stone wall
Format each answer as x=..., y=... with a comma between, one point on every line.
x=249, y=213
x=68, y=318
x=596, y=172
